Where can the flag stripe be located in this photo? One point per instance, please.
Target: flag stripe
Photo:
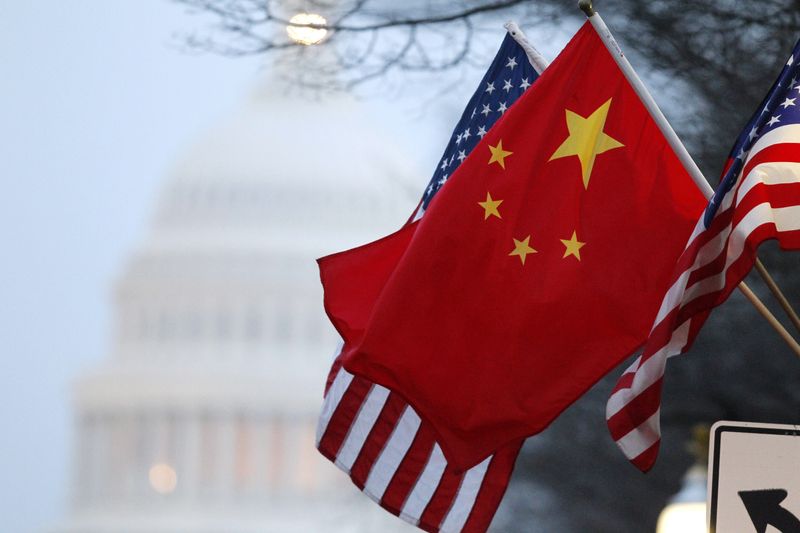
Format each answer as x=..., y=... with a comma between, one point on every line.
x=712, y=259
x=784, y=135
x=637, y=411
x=367, y=415
x=468, y=491
x=392, y=454
x=785, y=219
x=647, y=371
x=377, y=439
x=691, y=259
x=409, y=473
x=677, y=287
x=640, y=439
x=492, y=489
x=731, y=277
x=335, y=392
x=425, y=487
x=644, y=460
x=345, y=412
x=441, y=500
x=769, y=174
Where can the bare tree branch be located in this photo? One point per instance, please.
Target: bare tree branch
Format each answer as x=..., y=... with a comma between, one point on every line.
x=718, y=50
x=250, y=27
x=411, y=21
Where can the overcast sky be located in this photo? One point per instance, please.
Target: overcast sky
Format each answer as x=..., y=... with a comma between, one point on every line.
x=95, y=104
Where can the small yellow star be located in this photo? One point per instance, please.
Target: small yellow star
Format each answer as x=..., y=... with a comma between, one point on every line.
x=573, y=246
x=490, y=207
x=498, y=154
x=522, y=249
x=587, y=139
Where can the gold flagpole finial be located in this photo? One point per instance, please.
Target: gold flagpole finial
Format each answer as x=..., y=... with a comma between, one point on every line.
x=586, y=7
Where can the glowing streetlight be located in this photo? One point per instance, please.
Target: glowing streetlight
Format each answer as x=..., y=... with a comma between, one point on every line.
x=304, y=34
x=163, y=478
x=686, y=511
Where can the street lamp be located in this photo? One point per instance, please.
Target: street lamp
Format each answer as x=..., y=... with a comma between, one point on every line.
x=686, y=511
x=309, y=30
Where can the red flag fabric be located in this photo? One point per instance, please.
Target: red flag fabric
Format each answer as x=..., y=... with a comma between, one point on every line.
x=538, y=268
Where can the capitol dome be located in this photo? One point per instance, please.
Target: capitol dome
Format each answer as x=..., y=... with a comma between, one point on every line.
x=312, y=175
x=203, y=416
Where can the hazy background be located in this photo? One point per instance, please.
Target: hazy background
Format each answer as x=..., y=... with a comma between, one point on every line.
x=97, y=100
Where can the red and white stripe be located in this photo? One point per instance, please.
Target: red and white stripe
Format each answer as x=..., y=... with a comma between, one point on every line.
x=765, y=203
x=392, y=456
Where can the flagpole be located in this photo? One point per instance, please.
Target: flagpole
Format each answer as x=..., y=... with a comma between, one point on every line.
x=536, y=59
x=691, y=167
x=647, y=99
x=766, y=313
x=776, y=291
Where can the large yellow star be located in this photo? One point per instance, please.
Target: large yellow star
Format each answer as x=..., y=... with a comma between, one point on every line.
x=522, y=249
x=498, y=154
x=573, y=246
x=587, y=139
x=490, y=207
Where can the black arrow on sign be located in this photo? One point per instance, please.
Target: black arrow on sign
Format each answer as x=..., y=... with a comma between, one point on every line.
x=764, y=508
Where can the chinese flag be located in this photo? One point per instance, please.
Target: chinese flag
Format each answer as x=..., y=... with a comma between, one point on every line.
x=535, y=270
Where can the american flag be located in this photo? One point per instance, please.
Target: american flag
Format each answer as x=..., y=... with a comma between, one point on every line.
x=371, y=433
x=757, y=199
x=509, y=75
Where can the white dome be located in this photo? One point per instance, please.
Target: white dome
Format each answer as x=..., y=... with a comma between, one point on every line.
x=242, y=219
x=286, y=172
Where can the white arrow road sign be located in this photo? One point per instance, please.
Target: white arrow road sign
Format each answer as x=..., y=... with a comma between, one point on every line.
x=754, y=478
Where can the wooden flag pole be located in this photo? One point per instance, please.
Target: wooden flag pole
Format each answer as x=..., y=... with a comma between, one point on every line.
x=761, y=308
x=688, y=163
x=776, y=291
x=536, y=59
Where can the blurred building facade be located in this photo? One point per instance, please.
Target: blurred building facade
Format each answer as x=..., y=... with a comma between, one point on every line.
x=202, y=418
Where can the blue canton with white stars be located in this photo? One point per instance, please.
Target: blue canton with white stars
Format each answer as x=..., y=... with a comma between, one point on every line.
x=781, y=107
x=509, y=75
